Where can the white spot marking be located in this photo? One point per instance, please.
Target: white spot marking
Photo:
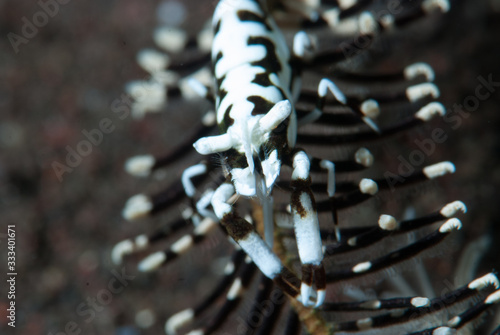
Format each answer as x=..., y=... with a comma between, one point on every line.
x=140, y=166
x=363, y=324
x=235, y=290
x=438, y=170
x=417, y=92
x=430, y=110
x=450, y=225
x=152, y=262
x=420, y=302
x=368, y=186
x=182, y=245
x=362, y=267
x=452, y=208
x=364, y=157
x=121, y=249
x=387, y=222
x=136, y=207
x=179, y=320
x=484, y=281
x=414, y=70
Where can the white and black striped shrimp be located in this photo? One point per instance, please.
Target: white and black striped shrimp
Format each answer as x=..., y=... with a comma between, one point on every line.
x=251, y=65
x=256, y=84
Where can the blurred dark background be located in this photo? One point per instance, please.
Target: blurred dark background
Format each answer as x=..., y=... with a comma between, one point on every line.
x=63, y=80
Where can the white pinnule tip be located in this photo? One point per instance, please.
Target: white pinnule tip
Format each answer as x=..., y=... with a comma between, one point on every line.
x=196, y=332
x=149, y=96
x=443, y=331
x=370, y=108
x=364, y=157
x=327, y=84
x=198, y=88
x=493, y=298
x=484, y=281
x=430, y=110
x=188, y=174
x=417, y=92
x=414, y=70
x=301, y=43
x=344, y=4
x=371, y=304
x=154, y=89
x=205, y=38
x=450, y=225
x=367, y=23
x=229, y=269
x=190, y=88
x=194, y=86
x=136, y=207
x=145, y=318
x=452, y=208
x=235, y=289
x=438, y=170
x=362, y=267
x=430, y=5
x=454, y=322
x=182, y=245
x=205, y=226
x=170, y=39
x=209, y=119
x=368, y=186
x=387, y=222
x=387, y=21
x=187, y=213
x=352, y=241
x=140, y=166
x=420, y=302
x=331, y=16
x=152, y=60
x=152, y=262
x=141, y=242
x=165, y=78
x=179, y=320
x=204, y=76
x=212, y=144
x=121, y=249
x=137, y=88
x=142, y=91
x=313, y=3
x=330, y=167
x=365, y=323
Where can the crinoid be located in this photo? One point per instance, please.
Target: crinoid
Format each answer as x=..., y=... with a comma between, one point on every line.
x=293, y=191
